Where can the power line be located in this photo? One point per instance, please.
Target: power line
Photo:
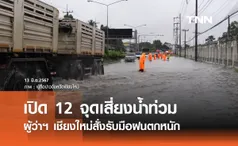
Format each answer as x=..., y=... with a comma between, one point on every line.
x=191, y=39
x=234, y=7
x=184, y=12
x=181, y=6
x=186, y=2
x=206, y=6
x=214, y=25
x=194, y=12
x=232, y=15
x=200, y=6
x=221, y=8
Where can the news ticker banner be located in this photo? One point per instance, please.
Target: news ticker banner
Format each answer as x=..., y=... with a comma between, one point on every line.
x=49, y=118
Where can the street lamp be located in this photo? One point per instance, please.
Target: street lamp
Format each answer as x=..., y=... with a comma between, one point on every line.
x=135, y=26
x=136, y=36
x=107, y=5
x=151, y=34
x=148, y=35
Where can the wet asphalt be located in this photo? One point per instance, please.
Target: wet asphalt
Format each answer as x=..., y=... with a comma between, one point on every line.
x=206, y=94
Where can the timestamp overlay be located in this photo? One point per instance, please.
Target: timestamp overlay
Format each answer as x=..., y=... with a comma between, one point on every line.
x=39, y=84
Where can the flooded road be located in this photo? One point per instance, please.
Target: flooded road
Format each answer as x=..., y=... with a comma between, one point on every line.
x=206, y=94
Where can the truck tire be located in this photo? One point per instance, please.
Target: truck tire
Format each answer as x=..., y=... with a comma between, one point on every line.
x=42, y=74
x=15, y=81
x=76, y=70
x=100, y=68
x=63, y=69
x=95, y=68
x=80, y=70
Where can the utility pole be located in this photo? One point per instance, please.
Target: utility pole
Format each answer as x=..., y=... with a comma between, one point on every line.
x=180, y=35
x=176, y=34
x=196, y=32
x=185, y=49
x=229, y=26
x=136, y=40
x=67, y=11
x=177, y=38
x=107, y=27
x=227, y=38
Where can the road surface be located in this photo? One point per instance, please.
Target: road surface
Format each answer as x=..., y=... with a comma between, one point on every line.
x=206, y=94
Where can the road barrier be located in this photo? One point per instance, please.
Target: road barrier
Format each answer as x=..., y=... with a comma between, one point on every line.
x=219, y=52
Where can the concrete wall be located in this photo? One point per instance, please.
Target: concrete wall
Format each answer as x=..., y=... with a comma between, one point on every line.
x=225, y=53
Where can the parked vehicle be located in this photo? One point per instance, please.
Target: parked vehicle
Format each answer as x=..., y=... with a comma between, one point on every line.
x=130, y=57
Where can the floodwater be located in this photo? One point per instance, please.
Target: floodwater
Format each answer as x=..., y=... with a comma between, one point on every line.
x=206, y=94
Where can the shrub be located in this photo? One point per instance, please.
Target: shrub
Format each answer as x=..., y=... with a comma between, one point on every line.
x=236, y=69
x=113, y=55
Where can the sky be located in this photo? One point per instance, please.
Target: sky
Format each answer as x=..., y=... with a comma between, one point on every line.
x=156, y=14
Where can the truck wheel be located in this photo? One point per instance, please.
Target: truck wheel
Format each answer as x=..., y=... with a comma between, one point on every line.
x=76, y=70
x=63, y=70
x=80, y=69
x=95, y=69
x=100, y=68
x=41, y=74
x=16, y=82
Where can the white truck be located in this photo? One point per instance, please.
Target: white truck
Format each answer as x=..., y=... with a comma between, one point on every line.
x=35, y=45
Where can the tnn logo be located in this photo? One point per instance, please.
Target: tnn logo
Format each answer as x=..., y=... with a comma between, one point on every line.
x=200, y=19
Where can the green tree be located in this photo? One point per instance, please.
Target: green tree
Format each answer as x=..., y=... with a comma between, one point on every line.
x=119, y=45
x=92, y=23
x=234, y=29
x=157, y=44
x=69, y=16
x=146, y=45
x=104, y=28
x=224, y=36
x=210, y=39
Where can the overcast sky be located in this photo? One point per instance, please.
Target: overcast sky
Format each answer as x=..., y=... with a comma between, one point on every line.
x=156, y=14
